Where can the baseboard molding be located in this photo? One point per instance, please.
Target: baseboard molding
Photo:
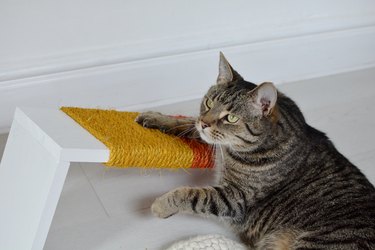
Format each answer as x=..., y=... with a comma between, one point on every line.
x=149, y=82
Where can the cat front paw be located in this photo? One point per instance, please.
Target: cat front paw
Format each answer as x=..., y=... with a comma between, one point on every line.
x=162, y=208
x=153, y=120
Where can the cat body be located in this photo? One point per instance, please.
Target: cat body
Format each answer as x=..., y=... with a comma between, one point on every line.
x=282, y=183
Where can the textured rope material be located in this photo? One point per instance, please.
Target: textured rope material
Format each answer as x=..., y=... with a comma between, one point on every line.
x=131, y=145
x=208, y=242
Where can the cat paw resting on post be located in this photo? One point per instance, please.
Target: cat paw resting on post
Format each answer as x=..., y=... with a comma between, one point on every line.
x=282, y=183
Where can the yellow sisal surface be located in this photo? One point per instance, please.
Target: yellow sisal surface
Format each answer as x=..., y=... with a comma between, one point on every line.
x=130, y=144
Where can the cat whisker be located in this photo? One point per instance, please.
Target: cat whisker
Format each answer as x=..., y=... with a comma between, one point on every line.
x=236, y=153
x=182, y=125
x=186, y=171
x=222, y=153
x=195, y=134
x=184, y=132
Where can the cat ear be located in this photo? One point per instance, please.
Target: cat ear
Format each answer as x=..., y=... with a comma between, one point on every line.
x=226, y=72
x=264, y=97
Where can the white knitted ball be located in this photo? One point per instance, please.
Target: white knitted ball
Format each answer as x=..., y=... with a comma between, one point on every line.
x=208, y=242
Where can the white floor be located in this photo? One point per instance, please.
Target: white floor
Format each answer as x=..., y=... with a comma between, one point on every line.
x=108, y=209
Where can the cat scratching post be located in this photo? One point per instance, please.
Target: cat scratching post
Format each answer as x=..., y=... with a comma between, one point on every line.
x=41, y=145
x=131, y=145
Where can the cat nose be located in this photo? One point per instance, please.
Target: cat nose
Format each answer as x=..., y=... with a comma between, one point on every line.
x=204, y=125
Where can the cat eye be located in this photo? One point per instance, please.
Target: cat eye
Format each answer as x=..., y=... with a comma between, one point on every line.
x=232, y=118
x=209, y=103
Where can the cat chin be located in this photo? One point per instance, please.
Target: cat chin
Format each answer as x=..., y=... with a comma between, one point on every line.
x=209, y=139
x=206, y=138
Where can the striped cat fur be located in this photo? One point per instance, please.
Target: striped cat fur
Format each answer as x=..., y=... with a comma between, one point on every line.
x=282, y=184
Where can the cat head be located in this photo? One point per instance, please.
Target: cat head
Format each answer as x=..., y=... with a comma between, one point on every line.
x=236, y=113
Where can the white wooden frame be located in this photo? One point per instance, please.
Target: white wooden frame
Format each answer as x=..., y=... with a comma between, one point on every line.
x=37, y=156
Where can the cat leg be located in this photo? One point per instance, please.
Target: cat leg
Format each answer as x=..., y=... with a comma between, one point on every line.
x=183, y=126
x=226, y=203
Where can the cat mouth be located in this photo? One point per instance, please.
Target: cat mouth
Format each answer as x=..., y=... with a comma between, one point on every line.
x=205, y=137
x=211, y=137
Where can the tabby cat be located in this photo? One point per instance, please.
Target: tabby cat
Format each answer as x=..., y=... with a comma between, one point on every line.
x=282, y=183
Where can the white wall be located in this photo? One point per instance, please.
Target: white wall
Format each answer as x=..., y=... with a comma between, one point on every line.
x=118, y=53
